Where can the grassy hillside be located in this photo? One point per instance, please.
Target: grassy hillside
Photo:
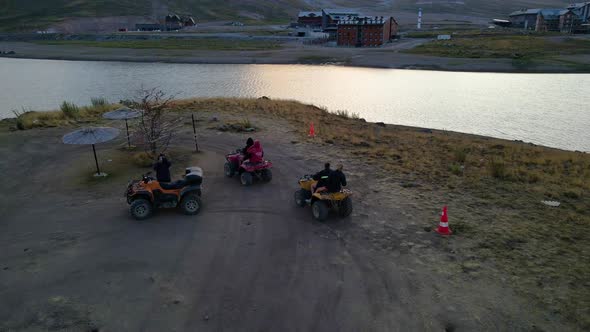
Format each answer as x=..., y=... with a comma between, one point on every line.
x=27, y=15
x=484, y=8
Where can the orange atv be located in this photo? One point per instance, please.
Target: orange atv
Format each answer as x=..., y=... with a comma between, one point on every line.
x=147, y=194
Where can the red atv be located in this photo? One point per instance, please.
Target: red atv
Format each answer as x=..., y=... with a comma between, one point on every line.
x=248, y=171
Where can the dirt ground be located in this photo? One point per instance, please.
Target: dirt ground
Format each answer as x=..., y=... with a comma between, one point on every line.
x=72, y=258
x=294, y=52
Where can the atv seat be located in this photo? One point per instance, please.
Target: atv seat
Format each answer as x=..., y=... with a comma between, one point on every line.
x=173, y=185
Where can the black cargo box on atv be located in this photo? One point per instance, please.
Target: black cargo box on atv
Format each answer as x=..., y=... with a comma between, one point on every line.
x=194, y=175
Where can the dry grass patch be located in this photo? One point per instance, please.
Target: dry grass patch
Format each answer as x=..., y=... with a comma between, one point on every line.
x=514, y=47
x=218, y=44
x=68, y=114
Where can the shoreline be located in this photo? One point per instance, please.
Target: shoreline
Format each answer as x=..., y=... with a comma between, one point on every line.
x=249, y=61
x=473, y=136
x=381, y=58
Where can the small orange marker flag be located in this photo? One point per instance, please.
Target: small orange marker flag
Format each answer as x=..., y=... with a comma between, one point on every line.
x=311, y=130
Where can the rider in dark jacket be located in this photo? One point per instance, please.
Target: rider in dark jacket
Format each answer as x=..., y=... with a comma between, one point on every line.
x=336, y=180
x=162, y=168
x=322, y=178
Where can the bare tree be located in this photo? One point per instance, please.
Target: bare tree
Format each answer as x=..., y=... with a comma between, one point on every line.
x=156, y=127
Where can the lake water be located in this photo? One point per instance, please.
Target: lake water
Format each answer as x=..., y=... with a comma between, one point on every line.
x=546, y=109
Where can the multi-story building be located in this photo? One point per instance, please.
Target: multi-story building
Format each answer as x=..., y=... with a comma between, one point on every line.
x=365, y=31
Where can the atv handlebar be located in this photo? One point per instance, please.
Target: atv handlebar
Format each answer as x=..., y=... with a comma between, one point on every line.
x=238, y=151
x=147, y=177
x=306, y=177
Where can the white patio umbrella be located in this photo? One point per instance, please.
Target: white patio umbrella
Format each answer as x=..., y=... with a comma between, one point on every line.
x=123, y=114
x=91, y=136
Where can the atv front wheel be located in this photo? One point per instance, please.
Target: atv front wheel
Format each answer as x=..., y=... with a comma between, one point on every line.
x=228, y=169
x=320, y=210
x=141, y=209
x=190, y=204
x=246, y=178
x=266, y=175
x=345, y=208
x=300, y=196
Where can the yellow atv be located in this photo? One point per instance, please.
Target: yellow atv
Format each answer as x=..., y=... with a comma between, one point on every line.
x=323, y=203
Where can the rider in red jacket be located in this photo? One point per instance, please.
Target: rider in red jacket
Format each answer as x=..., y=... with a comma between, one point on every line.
x=256, y=153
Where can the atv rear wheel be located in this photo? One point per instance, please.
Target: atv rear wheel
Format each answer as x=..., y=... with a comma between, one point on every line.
x=320, y=210
x=300, y=196
x=228, y=169
x=141, y=209
x=266, y=175
x=191, y=204
x=246, y=178
x=345, y=208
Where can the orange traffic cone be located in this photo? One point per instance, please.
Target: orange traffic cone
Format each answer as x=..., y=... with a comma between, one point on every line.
x=443, y=226
x=311, y=130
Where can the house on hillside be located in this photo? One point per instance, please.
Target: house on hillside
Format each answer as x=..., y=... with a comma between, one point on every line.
x=561, y=20
x=310, y=19
x=148, y=27
x=525, y=19
x=582, y=10
x=365, y=31
x=545, y=20
x=173, y=22
x=189, y=22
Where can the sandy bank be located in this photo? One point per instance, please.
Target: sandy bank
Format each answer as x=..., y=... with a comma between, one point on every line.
x=292, y=53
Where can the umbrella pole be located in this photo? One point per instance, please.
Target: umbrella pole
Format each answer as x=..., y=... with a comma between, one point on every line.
x=96, y=160
x=128, y=139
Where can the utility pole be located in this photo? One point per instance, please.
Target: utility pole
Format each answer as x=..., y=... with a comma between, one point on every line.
x=419, y=18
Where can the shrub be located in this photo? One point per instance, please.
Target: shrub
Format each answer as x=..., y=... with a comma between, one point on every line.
x=70, y=110
x=460, y=155
x=143, y=159
x=571, y=194
x=456, y=169
x=533, y=178
x=498, y=169
x=347, y=115
x=99, y=102
x=20, y=121
x=245, y=123
x=126, y=102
